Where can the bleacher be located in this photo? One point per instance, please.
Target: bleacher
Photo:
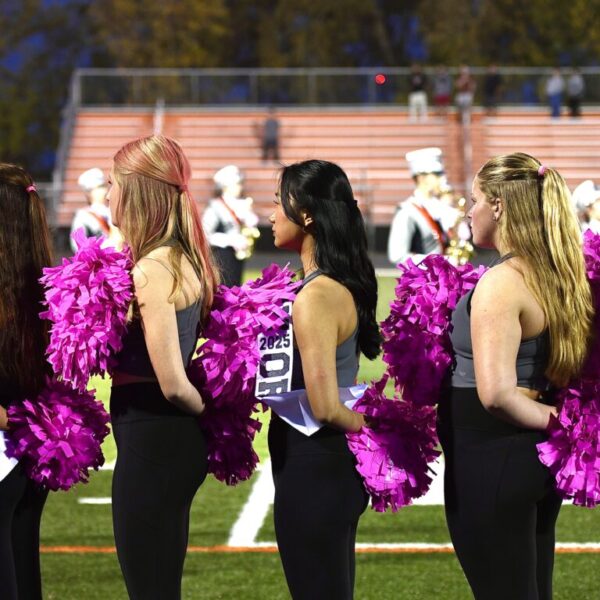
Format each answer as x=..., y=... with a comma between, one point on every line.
x=369, y=144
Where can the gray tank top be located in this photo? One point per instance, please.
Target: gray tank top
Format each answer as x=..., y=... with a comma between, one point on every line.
x=346, y=357
x=134, y=358
x=532, y=357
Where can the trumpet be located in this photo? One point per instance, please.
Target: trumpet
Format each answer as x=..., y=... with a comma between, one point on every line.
x=251, y=234
x=459, y=250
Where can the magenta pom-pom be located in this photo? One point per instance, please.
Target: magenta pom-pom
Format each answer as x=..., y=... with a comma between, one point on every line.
x=88, y=297
x=572, y=450
x=393, y=457
x=226, y=365
x=417, y=347
x=57, y=437
x=229, y=436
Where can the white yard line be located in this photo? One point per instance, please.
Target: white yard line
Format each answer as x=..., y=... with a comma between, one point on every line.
x=246, y=528
x=94, y=500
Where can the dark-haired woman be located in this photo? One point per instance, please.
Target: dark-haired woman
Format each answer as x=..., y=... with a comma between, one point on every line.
x=24, y=252
x=319, y=496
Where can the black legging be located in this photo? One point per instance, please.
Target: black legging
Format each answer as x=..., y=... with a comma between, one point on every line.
x=161, y=462
x=231, y=267
x=500, y=502
x=319, y=498
x=21, y=505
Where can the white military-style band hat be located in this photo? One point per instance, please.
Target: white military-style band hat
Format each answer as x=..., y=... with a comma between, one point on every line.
x=425, y=160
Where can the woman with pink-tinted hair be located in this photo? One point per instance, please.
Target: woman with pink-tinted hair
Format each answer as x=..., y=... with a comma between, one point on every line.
x=161, y=459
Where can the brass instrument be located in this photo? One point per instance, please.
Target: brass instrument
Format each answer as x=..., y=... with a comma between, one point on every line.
x=459, y=250
x=251, y=234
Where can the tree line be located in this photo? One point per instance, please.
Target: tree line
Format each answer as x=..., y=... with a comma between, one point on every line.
x=43, y=41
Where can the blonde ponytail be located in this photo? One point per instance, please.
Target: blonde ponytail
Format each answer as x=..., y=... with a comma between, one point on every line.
x=539, y=226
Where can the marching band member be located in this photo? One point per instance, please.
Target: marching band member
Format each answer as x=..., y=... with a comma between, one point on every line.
x=230, y=224
x=418, y=226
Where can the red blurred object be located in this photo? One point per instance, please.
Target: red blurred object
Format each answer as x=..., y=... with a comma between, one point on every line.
x=380, y=79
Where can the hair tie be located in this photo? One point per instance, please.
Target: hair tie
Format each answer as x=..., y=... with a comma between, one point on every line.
x=31, y=188
x=183, y=188
x=542, y=170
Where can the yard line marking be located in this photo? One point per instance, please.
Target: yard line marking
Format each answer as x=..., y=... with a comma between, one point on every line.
x=246, y=528
x=101, y=500
x=270, y=547
x=109, y=466
x=388, y=272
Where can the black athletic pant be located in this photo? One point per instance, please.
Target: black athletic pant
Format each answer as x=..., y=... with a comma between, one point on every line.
x=500, y=502
x=231, y=268
x=161, y=462
x=319, y=498
x=21, y=505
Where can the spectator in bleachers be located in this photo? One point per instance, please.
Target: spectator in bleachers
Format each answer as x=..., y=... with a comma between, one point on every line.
x=555, y=86
x=95, y=217
x=442, y=90
x=417, y=229
x=230, y=224
x=491, y=90
x=417, y=96
x=575, y=91
x=465, y=91
x=270, y=136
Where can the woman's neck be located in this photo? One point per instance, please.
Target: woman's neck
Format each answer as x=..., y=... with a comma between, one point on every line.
x=307, y=255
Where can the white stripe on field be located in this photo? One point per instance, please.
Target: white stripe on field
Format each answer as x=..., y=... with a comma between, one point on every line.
x=416, y=546
x=388, y=272
x=109, y=466
x=246, y=528
x=94, y=500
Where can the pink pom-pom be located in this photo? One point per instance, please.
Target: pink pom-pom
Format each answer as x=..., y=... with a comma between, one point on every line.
x=58, y=436
x=572, y=450
x=416, y=345
x=88, y=297
x=225, y=369
x=591, y=252
x=393, y=457
x=229, y=436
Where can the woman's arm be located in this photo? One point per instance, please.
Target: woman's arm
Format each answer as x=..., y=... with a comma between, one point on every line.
x=496, y=335
x=153, y=285
x=3, y=419
x=316, y=333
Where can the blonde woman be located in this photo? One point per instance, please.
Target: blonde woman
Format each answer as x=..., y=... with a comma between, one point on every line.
x=161, y=458
x=521, y=332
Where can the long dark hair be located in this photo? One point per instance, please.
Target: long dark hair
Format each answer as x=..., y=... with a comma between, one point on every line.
x=322, y=190
x=24, y=251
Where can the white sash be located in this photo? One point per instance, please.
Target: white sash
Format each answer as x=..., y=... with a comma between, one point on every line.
x=294, y=407
x=6, y=464
x=276, y=360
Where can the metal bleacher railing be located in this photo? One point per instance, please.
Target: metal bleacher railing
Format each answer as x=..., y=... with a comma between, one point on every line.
x=321, y=86
x=240, y=89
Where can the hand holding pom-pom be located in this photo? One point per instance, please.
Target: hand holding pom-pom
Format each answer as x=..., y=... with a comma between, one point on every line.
x=393, y=457
x=88, y=297
x=58, y=436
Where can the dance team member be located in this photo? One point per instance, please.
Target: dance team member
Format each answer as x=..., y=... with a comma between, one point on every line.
x=24, y=251
x=319, y=496
x=161, y=458
x=522, y=331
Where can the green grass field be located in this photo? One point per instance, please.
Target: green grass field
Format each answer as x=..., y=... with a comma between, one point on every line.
x=224, y=575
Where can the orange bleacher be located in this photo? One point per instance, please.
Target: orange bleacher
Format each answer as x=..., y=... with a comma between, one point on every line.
x=369, y=144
